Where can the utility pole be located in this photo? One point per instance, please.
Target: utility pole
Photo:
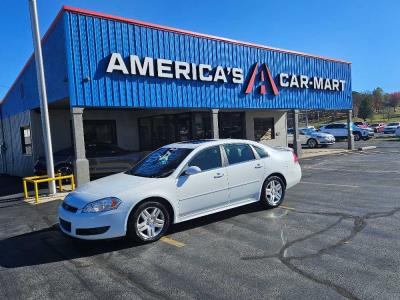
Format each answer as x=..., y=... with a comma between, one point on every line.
x=44, y=112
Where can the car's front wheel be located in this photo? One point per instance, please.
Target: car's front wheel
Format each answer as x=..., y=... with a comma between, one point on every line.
x=312, y=143
x=273, y=192
x=149, y=222
x=357, y=137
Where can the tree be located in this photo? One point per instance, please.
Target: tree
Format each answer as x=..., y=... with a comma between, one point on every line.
x=394, y=100
x=357, y=98
x=377, y=98
x=366, y=110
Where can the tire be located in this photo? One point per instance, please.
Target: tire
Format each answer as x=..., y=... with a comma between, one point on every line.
x=268, y=197
x=312, y=143
x=357, y=137
x=150, y=214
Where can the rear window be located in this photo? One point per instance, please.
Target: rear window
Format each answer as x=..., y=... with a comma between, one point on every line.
x=260, y=151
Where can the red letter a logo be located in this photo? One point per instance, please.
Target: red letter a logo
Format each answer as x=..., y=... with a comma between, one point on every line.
x=263, y=89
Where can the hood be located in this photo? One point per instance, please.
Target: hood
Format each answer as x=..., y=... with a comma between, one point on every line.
x=321, y=134
x=110, y=186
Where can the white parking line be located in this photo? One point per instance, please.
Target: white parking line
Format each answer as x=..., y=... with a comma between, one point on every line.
x=330, y=184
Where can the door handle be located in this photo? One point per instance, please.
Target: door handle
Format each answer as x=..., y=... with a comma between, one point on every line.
x=258, y=166
x=218, y=175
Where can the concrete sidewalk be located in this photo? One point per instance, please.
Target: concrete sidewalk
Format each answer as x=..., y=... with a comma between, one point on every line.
x=306, y=153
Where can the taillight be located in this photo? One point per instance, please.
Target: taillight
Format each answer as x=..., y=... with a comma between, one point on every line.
x=295, y=158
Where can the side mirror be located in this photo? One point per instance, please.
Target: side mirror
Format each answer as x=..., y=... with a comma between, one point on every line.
x=192, y=170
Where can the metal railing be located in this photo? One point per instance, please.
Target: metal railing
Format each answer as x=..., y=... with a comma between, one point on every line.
x=40, y=179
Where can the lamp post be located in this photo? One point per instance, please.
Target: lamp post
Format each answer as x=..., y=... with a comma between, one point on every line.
x=44, y=112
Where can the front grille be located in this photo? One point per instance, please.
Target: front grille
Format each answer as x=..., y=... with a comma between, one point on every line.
x=69, y=207
x=65, y=225
x=92, y=231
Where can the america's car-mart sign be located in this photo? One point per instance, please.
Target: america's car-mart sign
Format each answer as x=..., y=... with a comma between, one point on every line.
x=169, y=69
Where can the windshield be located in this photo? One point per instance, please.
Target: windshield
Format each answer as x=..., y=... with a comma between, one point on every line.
x=308, y=130
x=160, y=163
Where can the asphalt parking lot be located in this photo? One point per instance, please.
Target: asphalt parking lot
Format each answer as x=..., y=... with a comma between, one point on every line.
x=335, y=236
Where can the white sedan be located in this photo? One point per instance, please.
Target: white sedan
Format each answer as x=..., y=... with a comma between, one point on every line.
x=176, y=183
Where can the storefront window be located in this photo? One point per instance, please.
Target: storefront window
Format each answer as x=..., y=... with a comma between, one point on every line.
x=100, y=131
x=231, y=125
x=264, y=129
x=201, y=125
x=160, y=130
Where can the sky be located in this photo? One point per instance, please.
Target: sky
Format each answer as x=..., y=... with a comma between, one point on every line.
x=365, y=32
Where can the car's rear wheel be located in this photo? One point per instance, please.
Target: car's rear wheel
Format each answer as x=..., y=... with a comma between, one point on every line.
x=149, y=222
x=357, y=137
x=273, y=191
x=312, y=143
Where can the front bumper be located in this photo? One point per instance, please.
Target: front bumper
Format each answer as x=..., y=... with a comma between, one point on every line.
x=326, y=142
x=92, y=226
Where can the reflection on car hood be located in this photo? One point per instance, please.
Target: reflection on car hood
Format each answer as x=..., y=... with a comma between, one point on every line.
x=321, y=134
x=109, y=186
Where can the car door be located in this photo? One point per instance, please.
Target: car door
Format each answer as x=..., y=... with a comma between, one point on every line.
x=204, y=191
x=244, y=173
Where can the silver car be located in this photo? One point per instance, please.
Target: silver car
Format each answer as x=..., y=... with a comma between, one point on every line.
x=311, y=137
x=104, y=159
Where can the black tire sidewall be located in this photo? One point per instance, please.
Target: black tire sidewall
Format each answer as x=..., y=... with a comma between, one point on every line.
x=133, y=233
x=263, y=196
x=358, y=137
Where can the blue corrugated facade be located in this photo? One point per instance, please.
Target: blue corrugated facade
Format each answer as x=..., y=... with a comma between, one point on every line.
x=92, y=39
x=24, y=94
x=77, y=49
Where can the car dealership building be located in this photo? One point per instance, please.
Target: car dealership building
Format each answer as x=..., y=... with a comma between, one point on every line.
x=140, y=86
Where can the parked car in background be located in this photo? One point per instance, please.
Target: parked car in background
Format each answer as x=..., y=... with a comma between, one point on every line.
x=390, y=128
x=377, y=127
x=311, y=137
x=361, y=124
x=104, y=159
x=397, y=132
x=339, y=131
x=176, y=183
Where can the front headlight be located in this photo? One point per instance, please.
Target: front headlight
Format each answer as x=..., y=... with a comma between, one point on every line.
x=102, y=205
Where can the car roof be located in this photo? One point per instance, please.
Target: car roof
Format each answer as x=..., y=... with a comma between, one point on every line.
x=193, y=144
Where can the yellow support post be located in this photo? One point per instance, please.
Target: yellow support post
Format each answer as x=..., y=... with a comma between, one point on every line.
x=36, y=192
x=25, y=189
x=60, y=184
x=72, y=182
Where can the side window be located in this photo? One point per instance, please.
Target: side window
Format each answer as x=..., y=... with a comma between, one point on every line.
x=207, y=159
x=26, y=141
x=329, y=126
x=261, y=152
x=238, y=153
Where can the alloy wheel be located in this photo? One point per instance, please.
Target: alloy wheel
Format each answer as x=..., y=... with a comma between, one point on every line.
x=273, y=192
x=312, y=143
x=150, y=222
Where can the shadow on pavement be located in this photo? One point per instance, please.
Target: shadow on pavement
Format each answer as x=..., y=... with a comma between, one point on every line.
x=49, y=245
